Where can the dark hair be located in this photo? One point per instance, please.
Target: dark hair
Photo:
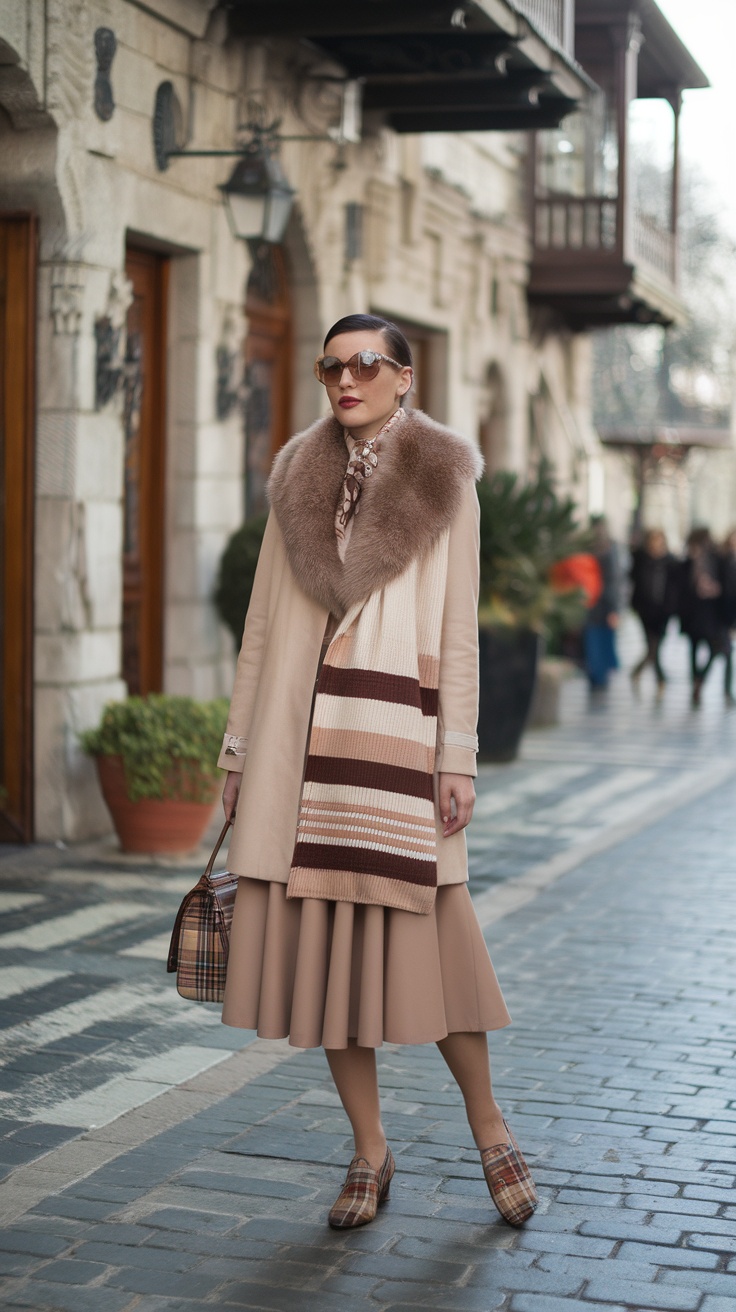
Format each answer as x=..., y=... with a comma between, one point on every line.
x=396, y=342
x=699, y=537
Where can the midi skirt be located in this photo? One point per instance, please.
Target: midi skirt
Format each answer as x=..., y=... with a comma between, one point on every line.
x=320, y=973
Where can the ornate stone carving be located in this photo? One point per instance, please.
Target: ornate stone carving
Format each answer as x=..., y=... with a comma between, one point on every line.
x=70, y=64
x=227, y=355
x=109, y=336
x=67, y=295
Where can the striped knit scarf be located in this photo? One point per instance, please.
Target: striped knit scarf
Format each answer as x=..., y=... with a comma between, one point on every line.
x=366, y=830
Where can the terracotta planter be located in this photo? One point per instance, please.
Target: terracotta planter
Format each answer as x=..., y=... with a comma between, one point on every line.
x=148, y=825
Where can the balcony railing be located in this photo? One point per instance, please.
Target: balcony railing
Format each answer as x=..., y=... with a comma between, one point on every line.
x=590, y=224
x=554, y=19
x=575, y=223
x=654, y=246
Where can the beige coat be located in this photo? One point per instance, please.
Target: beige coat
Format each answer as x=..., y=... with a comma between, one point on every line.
x=282, y=641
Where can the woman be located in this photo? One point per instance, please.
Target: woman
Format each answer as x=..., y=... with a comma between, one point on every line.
x=601, y=621
x=699, y=591
x=350, y=751
x=653, y=598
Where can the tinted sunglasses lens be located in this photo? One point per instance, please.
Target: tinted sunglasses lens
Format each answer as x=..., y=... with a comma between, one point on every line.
x=367, y=364
x=330, y=369
x=364, y=365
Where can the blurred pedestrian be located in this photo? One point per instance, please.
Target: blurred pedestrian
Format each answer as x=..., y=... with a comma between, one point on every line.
x=653, y=598
x=602, y=618
x=699, y=590
x=727, y=609
x=350, y=750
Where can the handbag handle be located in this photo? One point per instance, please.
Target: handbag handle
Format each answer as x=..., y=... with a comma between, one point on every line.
x=211, y=863
x=173, y=957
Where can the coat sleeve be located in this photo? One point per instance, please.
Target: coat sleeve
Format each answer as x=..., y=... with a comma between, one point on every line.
x=458, y=674
x=250, y=660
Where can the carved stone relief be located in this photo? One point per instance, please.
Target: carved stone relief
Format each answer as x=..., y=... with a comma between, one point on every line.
x=70, y=59
x=110, y=344
x=67, y=295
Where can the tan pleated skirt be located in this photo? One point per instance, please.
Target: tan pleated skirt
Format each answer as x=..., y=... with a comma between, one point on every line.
x=322, y=972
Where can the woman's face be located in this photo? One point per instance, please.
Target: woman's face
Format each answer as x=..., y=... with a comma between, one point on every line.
x=656, y=543
x=360, y=405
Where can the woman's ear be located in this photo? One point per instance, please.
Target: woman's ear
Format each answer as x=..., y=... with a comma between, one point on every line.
x=406, y=378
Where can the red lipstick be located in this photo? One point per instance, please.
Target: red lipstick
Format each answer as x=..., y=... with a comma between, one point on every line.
x=347, y=402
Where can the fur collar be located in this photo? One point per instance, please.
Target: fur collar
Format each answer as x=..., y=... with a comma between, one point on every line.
x=412, y=500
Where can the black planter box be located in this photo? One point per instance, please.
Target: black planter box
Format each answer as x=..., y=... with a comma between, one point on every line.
x=508, y=669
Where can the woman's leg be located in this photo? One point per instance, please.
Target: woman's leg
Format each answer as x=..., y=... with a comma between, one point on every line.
x=354, y=1072
x=467, y=1057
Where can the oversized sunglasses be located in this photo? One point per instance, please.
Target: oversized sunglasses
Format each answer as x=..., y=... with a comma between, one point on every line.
x=363, y=366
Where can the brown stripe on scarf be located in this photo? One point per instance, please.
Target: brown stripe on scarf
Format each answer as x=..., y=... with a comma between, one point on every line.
x=376, y=686
x=369, y=774
x=364, y=860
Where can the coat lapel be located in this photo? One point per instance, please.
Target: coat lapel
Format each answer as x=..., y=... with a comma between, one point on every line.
x=412, y=499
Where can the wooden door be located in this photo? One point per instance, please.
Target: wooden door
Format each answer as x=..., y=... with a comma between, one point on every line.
x=17, y=336
x=267, y=370
x=145, y=471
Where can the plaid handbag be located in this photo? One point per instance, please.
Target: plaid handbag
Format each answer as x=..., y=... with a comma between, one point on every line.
x=201, y=936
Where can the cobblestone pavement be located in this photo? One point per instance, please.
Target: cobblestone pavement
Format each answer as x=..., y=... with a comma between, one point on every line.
x=149, y=1164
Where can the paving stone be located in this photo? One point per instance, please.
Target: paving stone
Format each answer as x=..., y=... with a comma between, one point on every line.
x=189, y=1285
x=273, y=1299
x=634, y=1294
x=622, y=1227
x=664, y=1255
x=71, y=1272
x=404, y=1296
x=69, y=1298
x=707, y=1282
x=570, y=1244
x=544, y=1303
x=124, y=1255
x=394, y=1266
x=14, y=1240
x=81, y=1209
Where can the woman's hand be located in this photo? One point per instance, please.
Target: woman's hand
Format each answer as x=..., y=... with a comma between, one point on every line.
x=230, y=794
x=460, y=789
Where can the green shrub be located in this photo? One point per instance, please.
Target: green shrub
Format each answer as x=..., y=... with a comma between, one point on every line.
x=237, y=572
x=525, y=528
x=169, y=745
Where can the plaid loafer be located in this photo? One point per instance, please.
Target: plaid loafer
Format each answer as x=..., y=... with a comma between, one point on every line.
x=362, y=1193
x=509, y=1181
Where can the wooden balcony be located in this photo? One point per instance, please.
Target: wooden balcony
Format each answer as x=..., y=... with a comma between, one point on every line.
x=597, y=259
x=553, y=19
x=598, y=266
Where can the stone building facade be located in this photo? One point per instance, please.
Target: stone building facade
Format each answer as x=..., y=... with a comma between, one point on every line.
x=170, y=361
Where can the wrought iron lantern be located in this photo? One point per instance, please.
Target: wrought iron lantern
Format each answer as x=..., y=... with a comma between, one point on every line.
x=258, y=198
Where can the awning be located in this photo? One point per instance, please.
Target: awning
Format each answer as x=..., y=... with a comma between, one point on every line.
x=435, y=66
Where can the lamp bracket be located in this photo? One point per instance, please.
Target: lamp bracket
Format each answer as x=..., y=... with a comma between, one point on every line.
x=167, y=132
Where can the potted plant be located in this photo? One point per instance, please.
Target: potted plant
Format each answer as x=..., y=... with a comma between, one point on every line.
x=526, y=528
x=236, y=575
x=156, y=760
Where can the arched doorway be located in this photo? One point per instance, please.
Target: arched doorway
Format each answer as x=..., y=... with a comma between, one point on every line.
x=268, y=348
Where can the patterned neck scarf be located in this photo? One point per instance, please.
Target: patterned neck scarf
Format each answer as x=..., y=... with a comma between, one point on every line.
x=361, y=465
